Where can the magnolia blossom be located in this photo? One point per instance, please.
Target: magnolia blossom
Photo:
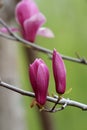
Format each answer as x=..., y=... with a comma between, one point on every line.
x=31, y=19
x=24, y=10
x=59, y=72
x=39, y=78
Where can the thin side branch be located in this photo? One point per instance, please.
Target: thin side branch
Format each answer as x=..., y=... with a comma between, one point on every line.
x=64, y=102
x=15, y=37
x=7, y=36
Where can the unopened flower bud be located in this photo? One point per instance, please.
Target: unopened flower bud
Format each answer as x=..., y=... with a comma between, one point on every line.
x=39, y=78
x=59, y=72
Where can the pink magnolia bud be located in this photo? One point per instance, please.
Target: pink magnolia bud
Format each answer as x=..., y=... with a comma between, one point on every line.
x=39, y=78
x=59, y=72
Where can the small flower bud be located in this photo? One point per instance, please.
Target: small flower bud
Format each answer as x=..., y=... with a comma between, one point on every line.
x=39, y=78
x=59, y=72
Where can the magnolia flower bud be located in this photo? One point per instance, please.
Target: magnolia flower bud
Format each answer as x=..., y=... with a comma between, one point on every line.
x=59, y=72
x=39, y=78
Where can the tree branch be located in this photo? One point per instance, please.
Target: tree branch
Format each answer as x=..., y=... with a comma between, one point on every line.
x=7, y=36
x=15, y=37
x=64, y=102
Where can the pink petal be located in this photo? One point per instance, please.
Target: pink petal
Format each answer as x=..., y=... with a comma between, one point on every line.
x=34, y=8
x=4, y=30
x=32, y=75
x=46, y=32
x=32, y=25
x=33, y=68
x=42, y=83
x=24, y=10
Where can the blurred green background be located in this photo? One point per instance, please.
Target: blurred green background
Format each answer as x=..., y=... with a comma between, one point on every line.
x=68, y=21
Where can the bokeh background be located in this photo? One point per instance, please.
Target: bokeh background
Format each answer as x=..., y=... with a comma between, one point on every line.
x=68, y=21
